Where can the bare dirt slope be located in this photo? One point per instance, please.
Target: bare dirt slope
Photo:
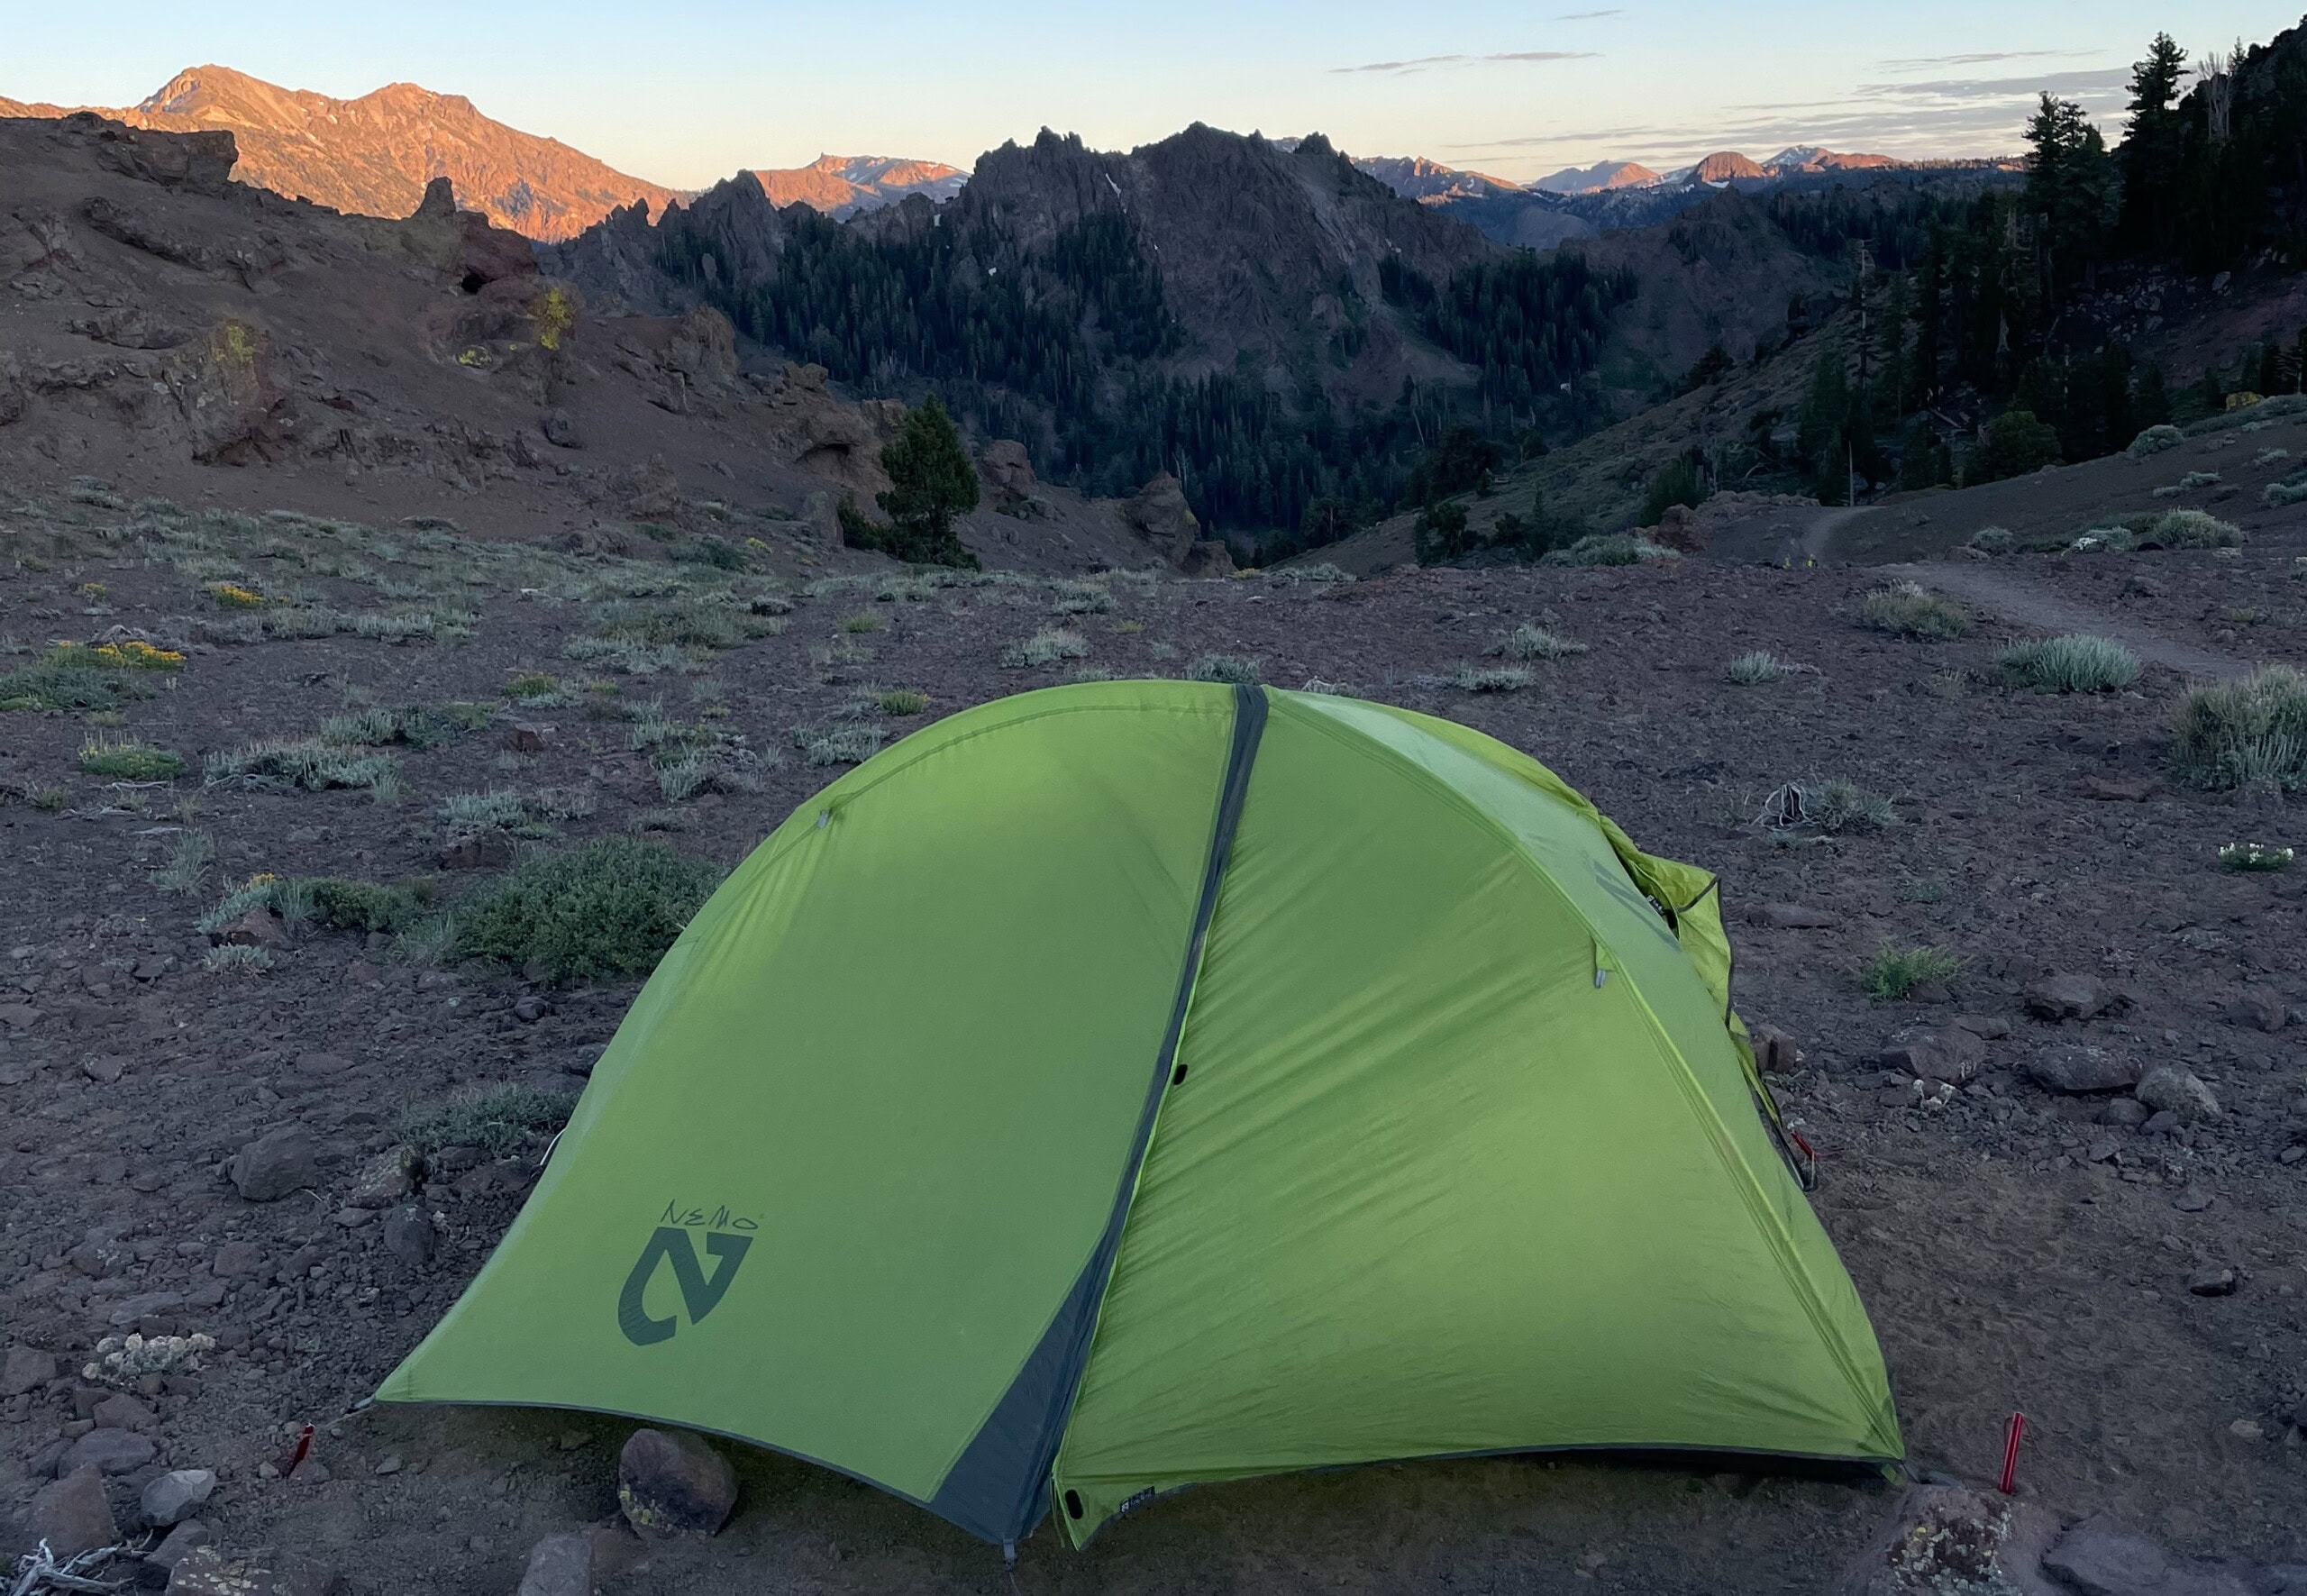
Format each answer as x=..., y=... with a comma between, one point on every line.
x=168, y=331
x=2018, y=1248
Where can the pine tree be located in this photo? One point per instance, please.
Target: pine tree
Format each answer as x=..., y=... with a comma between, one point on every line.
x=931, y=481
x=2071, y=193
x=2153, y=153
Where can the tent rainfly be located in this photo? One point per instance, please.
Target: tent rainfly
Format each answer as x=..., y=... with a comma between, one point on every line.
x=1138, y=1084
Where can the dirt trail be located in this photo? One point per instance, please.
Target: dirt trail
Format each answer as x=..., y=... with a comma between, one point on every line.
x=2015, y=599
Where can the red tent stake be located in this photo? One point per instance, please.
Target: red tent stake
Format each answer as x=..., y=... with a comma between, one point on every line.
x=2010, y=1434
x=305, y=1445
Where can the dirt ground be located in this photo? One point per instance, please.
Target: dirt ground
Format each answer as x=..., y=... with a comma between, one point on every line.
x=2015, y=1252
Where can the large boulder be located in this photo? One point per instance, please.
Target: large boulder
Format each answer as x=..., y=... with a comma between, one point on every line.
x=2083, y=1069
x=1160, y=514
x=1008, y=472
x=2067, y=995
x=72, y=1514
x=275, y=1164
x=703, y=348
x=2168, y=1088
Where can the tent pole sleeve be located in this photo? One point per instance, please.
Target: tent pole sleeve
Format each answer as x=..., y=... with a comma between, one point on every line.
x=999, y=1488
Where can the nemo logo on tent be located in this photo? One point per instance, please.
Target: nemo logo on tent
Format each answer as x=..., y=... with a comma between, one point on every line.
x=700, y=1294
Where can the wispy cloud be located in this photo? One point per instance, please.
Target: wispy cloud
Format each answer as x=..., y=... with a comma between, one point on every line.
x=1921, y=63
x=1586, y=16
x=1426, y=63
x=1938, y=117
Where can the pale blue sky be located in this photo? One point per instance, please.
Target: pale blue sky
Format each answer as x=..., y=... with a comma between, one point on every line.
x=685, y=93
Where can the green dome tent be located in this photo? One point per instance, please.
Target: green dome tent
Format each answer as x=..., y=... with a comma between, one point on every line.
x=1135, y=1084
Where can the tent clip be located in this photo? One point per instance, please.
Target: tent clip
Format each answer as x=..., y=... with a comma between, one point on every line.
x=1600, y=975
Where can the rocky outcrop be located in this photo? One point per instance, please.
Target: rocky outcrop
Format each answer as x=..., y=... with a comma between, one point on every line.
x=1160, y=514
x=1008, y=472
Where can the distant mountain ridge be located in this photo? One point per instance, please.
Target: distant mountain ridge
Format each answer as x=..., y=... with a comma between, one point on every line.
x=374, y=155
x=839, y=186
x=1596, y=178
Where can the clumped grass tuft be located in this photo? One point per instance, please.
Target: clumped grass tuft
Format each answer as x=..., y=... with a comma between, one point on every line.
x=1991, y=539
x=500, y=1120
x=70, y=677
x=605, y=910
x=288, y=765
x=333, y=903
x=2075, y=663
x=2247, y=857
x=1908, y=609
x=232, y=958
x=1892, y=973
x=128, y=759
x=412, y=728
x=1535, y=643
x=902, y=701
x=186, y=869
x=1047, y=646
x=1081, y=599
x=838, y=745
x=1614, y=548
x=1491, y=678
x=2188, y=484
x=2192, y=529
x=864, y=620
x=532, y=684
x=2155, y=440
x=1761, y=666
x=2253, y=729
x=1227, y=668
x=501, y=809
x=1833, y=807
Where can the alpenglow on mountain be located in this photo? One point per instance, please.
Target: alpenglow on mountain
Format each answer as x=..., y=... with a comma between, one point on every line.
x=374, y=155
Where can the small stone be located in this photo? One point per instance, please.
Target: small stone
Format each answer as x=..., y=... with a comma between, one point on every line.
x=2101, y=1151
x=2160, y=1125
x=276, y=1164
x=526, y=737
x=2126, y=1112
x=176, y=1496
x=389, y=1463
x=2119, y=790
x=2291, y=1154
x=2246, y=1429
x=353, y=1218
x=2212, y=1282
x=2178, y=1091
x=1986, y=1027
x=1953, y=1055
x=73, y=1515
x=2263, y=1007
x=237, y=1259
x=122, y=1411
x=179, y=1543
x=259, y=928
x=1792, y=917
x=114, y=1451
x=2194, y=1199
x=104, y=1069
x=26, y=1369
x=2069, y=997
x=671, y=1483
x=131, y=1312
x=531, y=1009
x=268, y=1471
x=408, y=1234
x=559, y=429
x=322, y=1064
x=2080, y=1068
x=559, y=1565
